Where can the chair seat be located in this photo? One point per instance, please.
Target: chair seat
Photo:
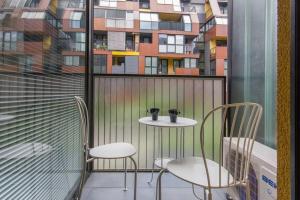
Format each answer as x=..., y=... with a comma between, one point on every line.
x=113, y=151
x=192, y=170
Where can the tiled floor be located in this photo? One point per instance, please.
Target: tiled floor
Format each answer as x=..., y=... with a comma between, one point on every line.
x=109, y=186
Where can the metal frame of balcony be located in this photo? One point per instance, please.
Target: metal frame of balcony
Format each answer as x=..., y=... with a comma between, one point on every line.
x=127, y=89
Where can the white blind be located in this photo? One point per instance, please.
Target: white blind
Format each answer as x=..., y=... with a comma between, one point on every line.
x=40, y=155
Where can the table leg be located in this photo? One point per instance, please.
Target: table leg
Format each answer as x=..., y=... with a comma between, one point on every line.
x=125, y=175
x=181, y=144
x=161, y=150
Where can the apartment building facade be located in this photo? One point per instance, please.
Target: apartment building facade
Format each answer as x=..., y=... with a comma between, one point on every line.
x=29, y=37
x=130, y=37
x=214, y=33
x=147, y=37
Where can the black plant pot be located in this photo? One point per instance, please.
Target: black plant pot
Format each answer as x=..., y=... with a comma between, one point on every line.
x=154, y=113
x=173, y=115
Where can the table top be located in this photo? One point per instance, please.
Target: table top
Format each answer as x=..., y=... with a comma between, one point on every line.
x=6, y=117
x=164, y=121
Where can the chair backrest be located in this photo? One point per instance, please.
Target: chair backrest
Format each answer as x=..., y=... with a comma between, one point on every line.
x=84, y=117
x=239, y=124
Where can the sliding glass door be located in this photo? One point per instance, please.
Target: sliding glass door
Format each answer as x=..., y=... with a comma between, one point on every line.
x=41, y=70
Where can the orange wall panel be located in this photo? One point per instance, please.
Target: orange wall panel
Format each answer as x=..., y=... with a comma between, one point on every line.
x=221, y=52
x=128, y=5
x=187, y=71
x=220, y=67
x=99, y=24
x=141, y=64
x=109, y=64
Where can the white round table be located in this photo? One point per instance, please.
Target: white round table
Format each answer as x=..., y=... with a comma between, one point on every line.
x=164, y=122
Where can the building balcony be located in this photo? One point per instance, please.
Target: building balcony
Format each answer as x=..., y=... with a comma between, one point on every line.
x=176, y=26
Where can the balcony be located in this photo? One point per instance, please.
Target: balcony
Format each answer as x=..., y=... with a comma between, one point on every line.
x=100, y=44
x=44, y=142
x=176, y=26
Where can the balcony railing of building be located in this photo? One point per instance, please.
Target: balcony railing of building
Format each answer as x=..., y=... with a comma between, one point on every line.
x=103, y=45
x=100, y=44
x=176, y=26
x=178, y=49
x=120, y=100
x=165, y=25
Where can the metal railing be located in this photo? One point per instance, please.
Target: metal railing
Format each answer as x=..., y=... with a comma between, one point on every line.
x=176, y=26
x=120, y=100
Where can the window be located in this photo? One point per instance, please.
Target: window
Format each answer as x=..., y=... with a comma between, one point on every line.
x=33, y=15
x=146, y=38
x=52, y=20
x=75, y=41
x=27, y=64
x=144, y=4
x=100, y=41
x=79, y=44
x=119, y=60
x=8, y=41
x=179, y=43
x=74, y=60
x=100, y=64
x=29, y=37
x=99, y=13
x=187, y=23
x=37, y=91
x=223, y=7
x=76, y=4
x=77, y=20
x=108, y=3
x=119, y=19
x=149, y=21
x=166, y=1
x=221, y=43
x=190, y=63
x=178, y=64
x=171, y=43
x=20, y=3
x=129, y=45
x=150, y=65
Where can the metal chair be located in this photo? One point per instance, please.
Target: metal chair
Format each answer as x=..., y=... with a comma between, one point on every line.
x=239, y=130
x=107, y=151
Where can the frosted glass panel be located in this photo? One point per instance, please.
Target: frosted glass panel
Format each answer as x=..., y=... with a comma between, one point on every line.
x=121, y=101
x=253, y=65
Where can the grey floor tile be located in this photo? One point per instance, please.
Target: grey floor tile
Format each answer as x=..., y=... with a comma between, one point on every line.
x=108, y=186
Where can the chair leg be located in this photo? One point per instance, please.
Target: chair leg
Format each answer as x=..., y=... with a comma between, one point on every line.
x=207, y=194
x=135, y=177
x=152, y=172
x=125, y=175
x=248, y=194
x=82, y=179
x=158, y=185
